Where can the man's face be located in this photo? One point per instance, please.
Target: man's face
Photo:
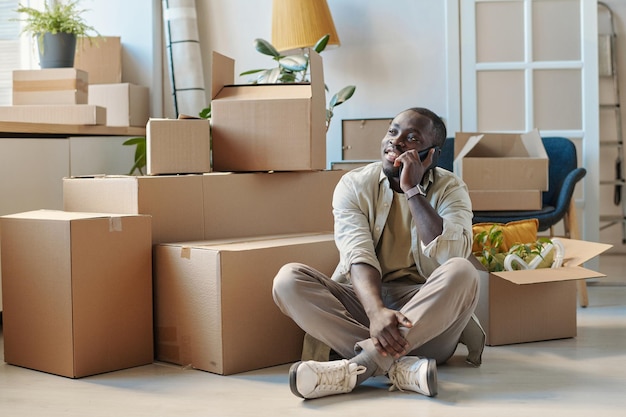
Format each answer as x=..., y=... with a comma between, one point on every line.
x=408, y=130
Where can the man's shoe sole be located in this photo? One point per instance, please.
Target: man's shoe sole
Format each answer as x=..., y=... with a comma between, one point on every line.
x=292, y=379
x=431, y=377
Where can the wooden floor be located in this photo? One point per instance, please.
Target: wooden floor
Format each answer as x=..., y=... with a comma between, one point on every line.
x=584, y=376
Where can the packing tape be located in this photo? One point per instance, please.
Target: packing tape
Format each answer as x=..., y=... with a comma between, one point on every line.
x=185, y=252
x=115, y=224
x=50, y=85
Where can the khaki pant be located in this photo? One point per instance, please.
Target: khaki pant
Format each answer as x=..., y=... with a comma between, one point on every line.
x=330, y=311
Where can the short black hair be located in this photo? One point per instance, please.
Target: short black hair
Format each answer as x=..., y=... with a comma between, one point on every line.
x=439, y=127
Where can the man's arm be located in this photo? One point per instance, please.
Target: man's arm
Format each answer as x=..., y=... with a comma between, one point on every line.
x=384, y=322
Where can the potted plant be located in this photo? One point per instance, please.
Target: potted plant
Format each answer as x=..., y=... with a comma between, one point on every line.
x=56, y=29
x=294, y=68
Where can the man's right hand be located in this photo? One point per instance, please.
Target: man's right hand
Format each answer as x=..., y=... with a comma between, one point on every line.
x=385, y=332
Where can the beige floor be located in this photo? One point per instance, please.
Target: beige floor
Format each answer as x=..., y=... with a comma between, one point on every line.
x=584, y=376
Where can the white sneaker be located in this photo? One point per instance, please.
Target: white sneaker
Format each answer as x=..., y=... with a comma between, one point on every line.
x=411, y=373
x=313, y=379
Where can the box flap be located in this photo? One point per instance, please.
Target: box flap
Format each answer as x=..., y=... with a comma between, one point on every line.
x=541, y=275
x=458, y=160
x=223, y=74
x=578, y=252
x=533, y=143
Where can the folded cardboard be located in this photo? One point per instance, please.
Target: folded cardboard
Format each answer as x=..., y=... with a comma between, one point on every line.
x=214, y=309
x=268, y=127
x=535, y=305
x=174, y=202
x=50, y=86
x=178, y=146
x=66, y=114
x=503, y=200
x=213, y=205
x=127, y=104
x=101, y=58
x=501, y=161
x=77, y=292
x=361, y=138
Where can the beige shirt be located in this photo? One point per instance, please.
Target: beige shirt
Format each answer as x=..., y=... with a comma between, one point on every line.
x=362, y=203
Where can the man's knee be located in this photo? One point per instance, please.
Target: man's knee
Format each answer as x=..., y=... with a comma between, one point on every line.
x=461, y=272
x=285, y=281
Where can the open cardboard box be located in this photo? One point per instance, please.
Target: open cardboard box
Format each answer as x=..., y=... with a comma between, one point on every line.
x=501, y=161
x=268, y=127
x=533, y=305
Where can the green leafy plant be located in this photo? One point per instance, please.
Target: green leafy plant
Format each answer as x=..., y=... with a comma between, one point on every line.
x=492, y=256
x=141, y=148
x=293, y=69
x=60, y=17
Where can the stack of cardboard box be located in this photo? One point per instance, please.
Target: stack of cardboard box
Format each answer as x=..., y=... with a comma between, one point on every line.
x=91, y=93
x=127, y=104
x=221, y=232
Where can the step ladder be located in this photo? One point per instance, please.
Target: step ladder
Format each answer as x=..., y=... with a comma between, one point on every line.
x=607, y=68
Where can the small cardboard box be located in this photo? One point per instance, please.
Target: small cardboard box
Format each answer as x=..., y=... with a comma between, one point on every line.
x=127, y=104
x=101, y=58
x=361, y=138
x=50, y=86
x=534, y=305
x=77, y=292
x=268, y=127
x=501, y=161
x=178, y=146
x=503, y=200
x=174, y=202
x=214, y=309
x=66, y=114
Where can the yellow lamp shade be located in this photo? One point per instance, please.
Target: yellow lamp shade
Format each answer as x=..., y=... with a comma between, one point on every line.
x=301, y=23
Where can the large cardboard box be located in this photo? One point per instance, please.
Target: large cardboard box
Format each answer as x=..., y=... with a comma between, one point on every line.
x=257, y=204
x=66, y=114
x=214, y=306
x=101, y=58
x=268, y=127
x=214, y=205
x=501, y=161
x=50, y=86
x=175, y=203
x=77, y=292
x=178, y=146
x=534, y=305
x=127, y=104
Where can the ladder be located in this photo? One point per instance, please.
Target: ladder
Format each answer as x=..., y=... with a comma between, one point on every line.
x=607, y=68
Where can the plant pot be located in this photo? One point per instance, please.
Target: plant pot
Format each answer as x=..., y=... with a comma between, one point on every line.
x=57, y=50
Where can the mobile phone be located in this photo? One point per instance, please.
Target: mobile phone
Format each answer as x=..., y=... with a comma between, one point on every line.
x=424, y=153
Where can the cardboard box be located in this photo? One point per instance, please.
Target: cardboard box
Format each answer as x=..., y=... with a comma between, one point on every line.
x=214, y=309
x=127, y=104
x=503, y=200
x=257, y=204
x=535, y=305
x=77, y=292
x=361, y=138
x=178, y=146
x=268, y=127
x=501, y=161
x=101, y=58
x=212, y=206
x=50, y=86
x=68, y=114
x=174, y=202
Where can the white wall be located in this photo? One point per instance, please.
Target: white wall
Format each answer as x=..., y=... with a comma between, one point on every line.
x=393, y=51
